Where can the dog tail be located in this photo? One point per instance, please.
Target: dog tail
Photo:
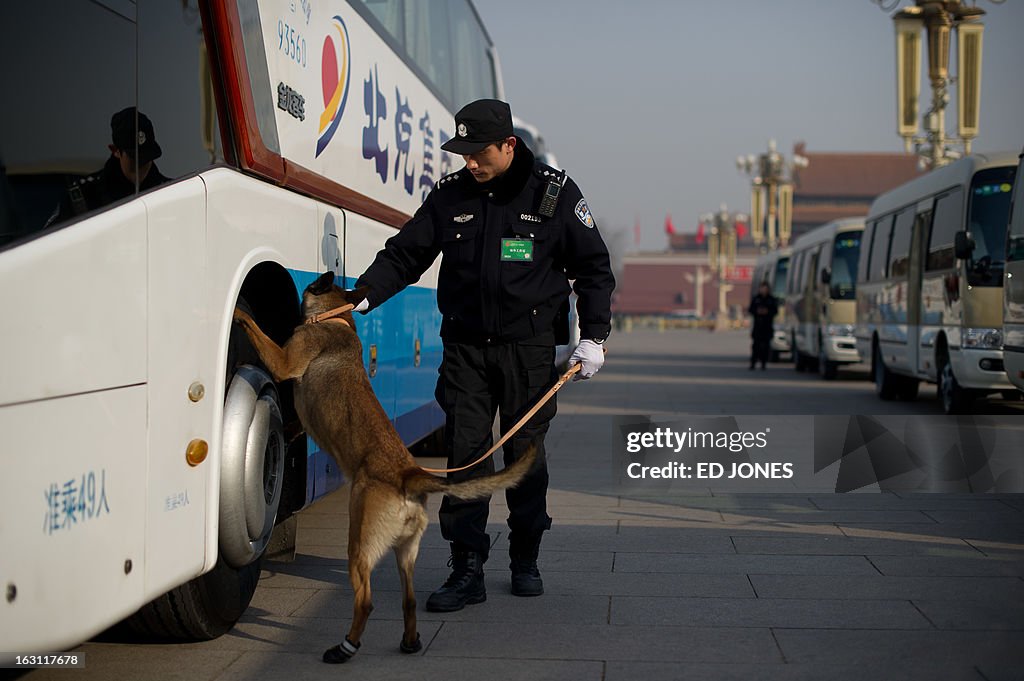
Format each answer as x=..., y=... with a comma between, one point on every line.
x=421, y=482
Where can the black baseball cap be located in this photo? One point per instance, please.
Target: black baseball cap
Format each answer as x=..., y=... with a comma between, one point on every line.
x=124, y=135
x=478, y=124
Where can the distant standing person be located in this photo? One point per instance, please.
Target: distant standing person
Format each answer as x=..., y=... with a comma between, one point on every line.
x=762, y=308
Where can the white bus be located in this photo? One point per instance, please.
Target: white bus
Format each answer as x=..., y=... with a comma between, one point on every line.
x=821, y=301
x=148, y=454
x=1013, y=285
x=929, y=284
x=772, y=268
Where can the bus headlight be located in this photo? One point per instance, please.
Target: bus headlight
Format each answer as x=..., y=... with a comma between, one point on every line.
x=839, y=330
x=981, y=339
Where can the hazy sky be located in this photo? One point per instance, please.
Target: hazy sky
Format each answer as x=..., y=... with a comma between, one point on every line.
x=648, y=103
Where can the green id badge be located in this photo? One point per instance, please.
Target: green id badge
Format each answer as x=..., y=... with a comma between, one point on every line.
x=517, y=250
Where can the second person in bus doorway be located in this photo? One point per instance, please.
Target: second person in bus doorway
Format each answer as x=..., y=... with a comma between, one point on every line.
x=762, y=308
x=503, y=293
x=130, y=167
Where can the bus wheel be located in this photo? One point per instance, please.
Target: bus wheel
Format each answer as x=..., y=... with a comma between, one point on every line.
x=955, y=398
x=826, y=367
x=885, y=380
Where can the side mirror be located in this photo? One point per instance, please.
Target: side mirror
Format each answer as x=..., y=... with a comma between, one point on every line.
x=826, y=276
x=963, y=245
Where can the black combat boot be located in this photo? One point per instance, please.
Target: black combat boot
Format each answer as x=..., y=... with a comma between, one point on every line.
x=464, y=586
x=526, y=579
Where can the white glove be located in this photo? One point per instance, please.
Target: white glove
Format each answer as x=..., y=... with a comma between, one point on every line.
x=363, y=305
x=588, y=354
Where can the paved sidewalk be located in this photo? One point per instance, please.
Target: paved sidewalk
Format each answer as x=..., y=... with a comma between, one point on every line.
x=738, y=586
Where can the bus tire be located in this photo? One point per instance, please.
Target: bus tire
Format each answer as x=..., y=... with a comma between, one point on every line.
x=886, y=382
x=955, y=399
x=201, y=609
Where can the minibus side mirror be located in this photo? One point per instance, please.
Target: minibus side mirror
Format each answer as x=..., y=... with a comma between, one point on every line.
x=963, y=245
x=826, y=276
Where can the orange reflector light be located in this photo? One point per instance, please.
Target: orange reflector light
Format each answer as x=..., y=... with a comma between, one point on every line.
x=196, y=452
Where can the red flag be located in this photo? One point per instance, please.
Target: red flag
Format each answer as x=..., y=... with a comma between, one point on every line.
x=700, y=233
x=741, y=230
x=669, y=228
x=636, y=232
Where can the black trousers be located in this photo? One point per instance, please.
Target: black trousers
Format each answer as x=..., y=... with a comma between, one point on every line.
x=476, y=382
x=760, y=350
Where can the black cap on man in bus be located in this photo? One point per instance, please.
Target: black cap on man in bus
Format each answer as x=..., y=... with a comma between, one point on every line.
x=124, y=135
x=478, y=124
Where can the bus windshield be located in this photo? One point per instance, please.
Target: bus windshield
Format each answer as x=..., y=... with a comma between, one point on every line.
x=988, y=214
x=845, y=252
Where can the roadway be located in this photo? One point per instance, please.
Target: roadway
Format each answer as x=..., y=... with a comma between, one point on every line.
x=697, y=584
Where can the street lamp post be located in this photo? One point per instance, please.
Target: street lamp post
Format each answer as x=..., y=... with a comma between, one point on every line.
x=941, y=19
x=721, y=227
x=771, y=196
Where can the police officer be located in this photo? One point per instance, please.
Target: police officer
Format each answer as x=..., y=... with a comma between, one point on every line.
x=133, y=150
x=514, y=232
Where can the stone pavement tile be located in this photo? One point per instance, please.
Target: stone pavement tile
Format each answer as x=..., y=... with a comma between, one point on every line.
x=602, y=642
x=726, y=671
x=397, y=667
x=324, y=536
x=850, y=546
x=977, y=616
x=738, y=564
x=968, y=589
x=729, y=502
x=553, y=560
x=1011, y=532
x=870, y=648
x=1004, y=515
x=998, y=549
x=979, y=566
x=104, y=661
x=646, y=584
x=919, y=502
x=297, y=576
x=841, y=516
x=283, y=602
x=501, y=606
x=595, y=538
x=764, y=612
x=311, y=635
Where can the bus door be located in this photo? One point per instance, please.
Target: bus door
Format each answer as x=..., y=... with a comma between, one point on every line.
x=918, y=252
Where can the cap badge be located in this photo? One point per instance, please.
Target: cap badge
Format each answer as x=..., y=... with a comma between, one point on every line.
x=462, y=130
x=142, y=138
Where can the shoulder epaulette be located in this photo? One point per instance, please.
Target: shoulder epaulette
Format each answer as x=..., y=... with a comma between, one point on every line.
x=448, y=178
x=547, y=173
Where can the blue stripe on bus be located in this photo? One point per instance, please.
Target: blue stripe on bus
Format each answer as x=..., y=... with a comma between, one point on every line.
x=393, y=328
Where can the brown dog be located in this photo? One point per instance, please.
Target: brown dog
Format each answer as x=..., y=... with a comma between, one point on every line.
x=337, y=407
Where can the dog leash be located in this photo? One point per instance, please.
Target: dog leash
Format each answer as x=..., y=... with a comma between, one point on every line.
x=504, y=438
x=317, y=318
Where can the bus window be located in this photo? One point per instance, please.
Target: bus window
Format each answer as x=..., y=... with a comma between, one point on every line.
x=428, y=43
x=880, y=249
x=988, y=214
x=947, y=222
x=59, y=134
x=845, y=252
x=863, y=264
x=779, y=284
x=899, y=251
x=1015, y=241
x=474, y=78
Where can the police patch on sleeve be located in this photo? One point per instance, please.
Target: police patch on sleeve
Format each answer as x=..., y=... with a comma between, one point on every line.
x=583, y=213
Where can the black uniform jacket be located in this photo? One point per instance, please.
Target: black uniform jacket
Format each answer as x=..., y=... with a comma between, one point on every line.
x=763, y=309
x=487, y=290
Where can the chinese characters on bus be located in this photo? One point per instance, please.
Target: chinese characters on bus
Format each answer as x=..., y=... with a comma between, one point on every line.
x=75, y=502
x=375, y=105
